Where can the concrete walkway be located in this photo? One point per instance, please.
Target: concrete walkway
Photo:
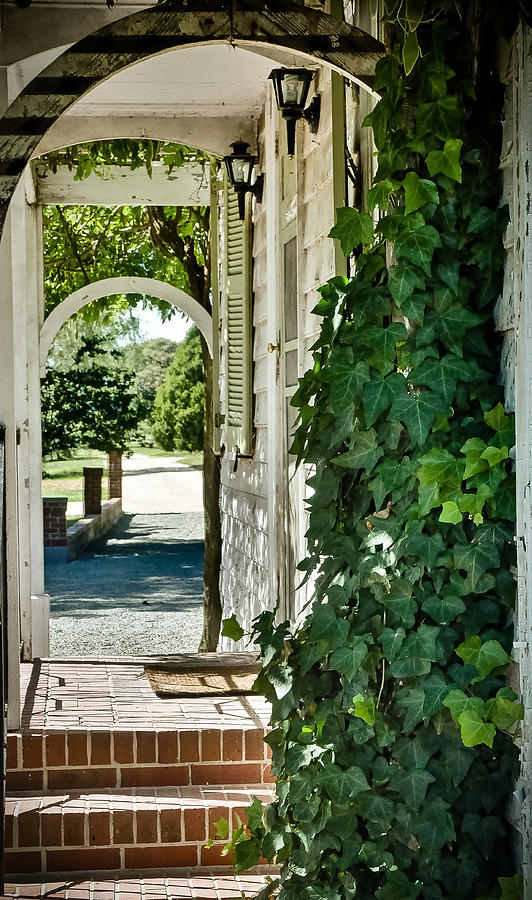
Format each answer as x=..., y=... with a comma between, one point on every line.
x=138, y=590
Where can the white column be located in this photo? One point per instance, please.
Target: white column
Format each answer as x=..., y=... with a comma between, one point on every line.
x=8, y=418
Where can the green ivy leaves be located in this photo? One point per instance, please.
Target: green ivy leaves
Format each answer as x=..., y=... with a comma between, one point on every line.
x=393, y=725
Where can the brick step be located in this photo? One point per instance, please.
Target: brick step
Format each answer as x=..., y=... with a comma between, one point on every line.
x=152, y=887
x=91, y=758
x=115, y=830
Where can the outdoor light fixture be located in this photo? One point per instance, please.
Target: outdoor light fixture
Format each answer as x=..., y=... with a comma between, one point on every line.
x=240, y=166
x=291, y=88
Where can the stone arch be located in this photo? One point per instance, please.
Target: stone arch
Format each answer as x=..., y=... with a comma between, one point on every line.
x=316, y=36
x=122, y=285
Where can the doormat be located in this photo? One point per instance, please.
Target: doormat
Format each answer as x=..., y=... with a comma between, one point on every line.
x=195, y=684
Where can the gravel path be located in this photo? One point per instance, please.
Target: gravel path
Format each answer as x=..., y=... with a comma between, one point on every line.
x=140, y=588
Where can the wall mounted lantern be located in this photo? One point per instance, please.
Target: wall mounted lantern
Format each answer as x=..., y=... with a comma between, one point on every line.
x=240, y=165
x=291, y=88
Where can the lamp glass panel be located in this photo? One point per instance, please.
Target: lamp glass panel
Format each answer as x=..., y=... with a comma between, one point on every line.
x=241, y=171
x=292, y=87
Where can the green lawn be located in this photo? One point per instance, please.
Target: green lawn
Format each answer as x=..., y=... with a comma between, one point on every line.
x=64, y=477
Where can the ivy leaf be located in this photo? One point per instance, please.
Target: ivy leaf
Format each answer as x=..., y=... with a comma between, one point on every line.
x=485, y=657
x=426, y=547
x=364, y=455
x=347, y=660
x=452, y=324
x=412, y=785
x=503, y=426
x=222, y=828
x=511, y=888
x=346, y=379
x=473, y=450
x=400, y=603
x=376, y=398
x=398, y=887
x=475, y=559
x=474, y=730
x=441, y=118
x=383, y=342
x=367, y=303
x=503, y=710
x=380, y=193
x=391, y=641
x=413, y=700
x=446, y=161
x=418, y=192
x=343, y=784
x=458, y=702
x=434, y=826
x=364, y=708
x=442, y=374
x=443, y=609
x=450, y=513
x=411, y=51
x=254, y=815
x=495, y=455
x=247, y=854
x=403, y=280
x=414, y=13
x=417, y=412
x=418, y=246
x=232, y=629
x=352, y=228
x=428, y=498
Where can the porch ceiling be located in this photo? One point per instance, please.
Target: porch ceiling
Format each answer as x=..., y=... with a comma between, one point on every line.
x=204, y=96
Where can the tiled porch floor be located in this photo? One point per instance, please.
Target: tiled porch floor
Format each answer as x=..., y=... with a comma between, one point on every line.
x=116, y=695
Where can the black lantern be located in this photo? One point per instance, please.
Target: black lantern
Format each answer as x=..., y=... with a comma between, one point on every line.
x=240, y=166
x=291, y=88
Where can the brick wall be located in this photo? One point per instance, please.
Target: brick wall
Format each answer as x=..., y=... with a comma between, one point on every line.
x=115, y=474
x=54, y=520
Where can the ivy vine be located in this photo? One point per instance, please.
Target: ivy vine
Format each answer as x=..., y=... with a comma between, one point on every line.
x=393, y=725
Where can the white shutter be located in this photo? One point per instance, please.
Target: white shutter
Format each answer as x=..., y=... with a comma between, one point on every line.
x=236, y=295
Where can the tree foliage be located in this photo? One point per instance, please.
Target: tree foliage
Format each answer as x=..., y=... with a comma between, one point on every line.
x=179, y=407
x=392, y=722
x=92, y=403
x=147, y=362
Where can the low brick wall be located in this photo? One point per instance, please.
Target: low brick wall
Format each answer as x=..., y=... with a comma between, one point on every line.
x=86, y=530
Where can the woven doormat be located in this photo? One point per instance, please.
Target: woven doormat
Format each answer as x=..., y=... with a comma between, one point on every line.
x=194, y=684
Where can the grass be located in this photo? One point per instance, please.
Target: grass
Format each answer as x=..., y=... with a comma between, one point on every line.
x=64, y=477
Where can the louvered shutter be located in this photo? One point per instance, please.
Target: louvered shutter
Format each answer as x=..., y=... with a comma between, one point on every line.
x=236, y=294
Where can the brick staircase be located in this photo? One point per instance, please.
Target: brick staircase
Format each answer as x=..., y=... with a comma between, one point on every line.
x=107, y=779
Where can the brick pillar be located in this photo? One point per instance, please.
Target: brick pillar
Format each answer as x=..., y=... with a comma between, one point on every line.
x=54, y=521
x=115, y=473
x=92, y=491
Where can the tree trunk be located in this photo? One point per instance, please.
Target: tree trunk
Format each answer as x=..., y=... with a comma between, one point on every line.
x=212, y=608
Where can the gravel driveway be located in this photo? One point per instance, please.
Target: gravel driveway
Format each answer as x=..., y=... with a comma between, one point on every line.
x=138, y=590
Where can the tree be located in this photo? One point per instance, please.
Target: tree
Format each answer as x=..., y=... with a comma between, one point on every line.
x=148, y=361
x=91, y=404
x=179, y=408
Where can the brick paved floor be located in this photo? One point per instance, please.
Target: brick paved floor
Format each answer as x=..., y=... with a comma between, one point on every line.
x=141, y=887
x=116, y=695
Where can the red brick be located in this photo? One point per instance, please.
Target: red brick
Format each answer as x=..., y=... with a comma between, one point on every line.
x=22, y=862
x=74, y=829
x=212, y=856
x=146, y=747
x=25, y=781
x=155, y=776
x=194, y=824
x=32, y=751
x=28, y=828
x=100, y=748
x=167, y=747
x=210, y=745
x=170, y=826
x=160, y=857
x=232, y=745
x=254, y=745
x=12, y=751
x=99, y=828
x=123, y=747
x=55, y=749
x=267, y=776
x=239, y=773
x=75, y=860
x=146, y=826
x=123, y=826
x=81, y=778
x=51, y=829
x=188, y=746
x=77, y=748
